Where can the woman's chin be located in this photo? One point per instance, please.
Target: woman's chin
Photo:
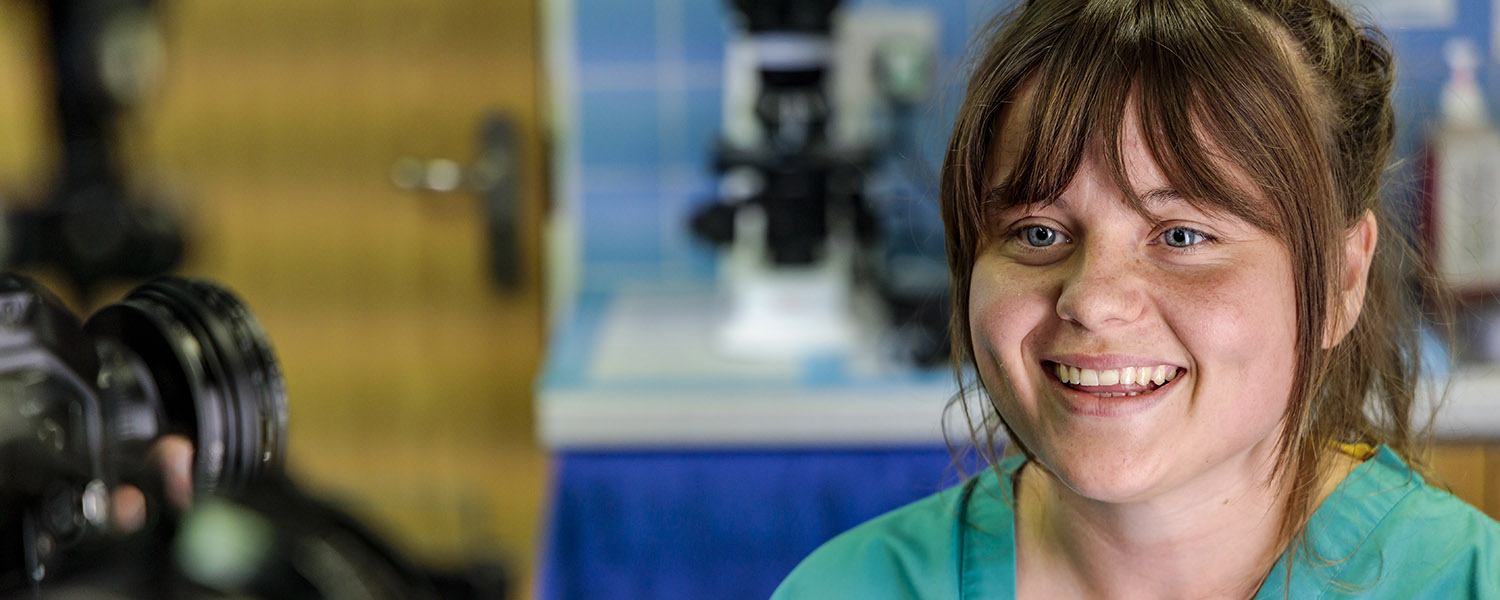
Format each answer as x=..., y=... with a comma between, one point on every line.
x=1109, y=481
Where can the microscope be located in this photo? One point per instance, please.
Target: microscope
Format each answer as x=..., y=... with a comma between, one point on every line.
x=92, y=225
x=808, y=266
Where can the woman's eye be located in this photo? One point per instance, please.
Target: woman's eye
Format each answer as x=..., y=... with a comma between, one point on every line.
x=1039, y=236
x=1182, y=237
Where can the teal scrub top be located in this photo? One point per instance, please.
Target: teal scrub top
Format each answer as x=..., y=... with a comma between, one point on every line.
x=1403, y=539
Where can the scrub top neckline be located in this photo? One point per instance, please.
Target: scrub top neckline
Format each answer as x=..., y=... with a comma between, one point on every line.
x=986, y=537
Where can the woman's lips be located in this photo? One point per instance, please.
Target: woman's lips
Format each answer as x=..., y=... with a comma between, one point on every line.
x=1121, y=388
x=1112, y=400
x=1088, y=376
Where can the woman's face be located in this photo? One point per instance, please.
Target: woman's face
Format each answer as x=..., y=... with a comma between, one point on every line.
x=1175, y=333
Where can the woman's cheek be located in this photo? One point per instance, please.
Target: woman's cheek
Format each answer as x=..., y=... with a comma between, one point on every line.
x=1232, y=313
x=1000, y=321
x=1005, y=309
x=987, y=311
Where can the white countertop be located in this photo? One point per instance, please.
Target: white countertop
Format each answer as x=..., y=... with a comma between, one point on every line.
x=638, y=371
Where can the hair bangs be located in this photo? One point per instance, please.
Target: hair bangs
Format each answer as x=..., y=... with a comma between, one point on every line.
x=1229, y=134
x=1077, y=92
x=1218, y=128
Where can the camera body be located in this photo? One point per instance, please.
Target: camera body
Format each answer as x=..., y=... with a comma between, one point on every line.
x=82, y=403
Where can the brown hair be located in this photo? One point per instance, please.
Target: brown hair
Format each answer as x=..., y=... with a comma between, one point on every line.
x=1295, y=96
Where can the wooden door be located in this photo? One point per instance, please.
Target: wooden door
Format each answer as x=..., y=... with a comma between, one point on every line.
x=277, y=126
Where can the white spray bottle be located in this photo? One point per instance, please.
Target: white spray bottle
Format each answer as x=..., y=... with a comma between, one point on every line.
x=1465, y=179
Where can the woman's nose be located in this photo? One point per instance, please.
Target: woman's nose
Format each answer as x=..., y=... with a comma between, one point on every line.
x=1103, y=289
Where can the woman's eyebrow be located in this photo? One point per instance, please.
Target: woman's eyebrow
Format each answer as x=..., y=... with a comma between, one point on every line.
x=1154, y=201
x=1160, y=196
x=1004, y=196
x=997, y=195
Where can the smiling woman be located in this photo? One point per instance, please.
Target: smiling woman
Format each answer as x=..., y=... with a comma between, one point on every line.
x=1088, y=282
x=1162, y=221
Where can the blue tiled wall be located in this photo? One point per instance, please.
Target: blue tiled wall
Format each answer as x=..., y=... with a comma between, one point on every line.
x=646, y=78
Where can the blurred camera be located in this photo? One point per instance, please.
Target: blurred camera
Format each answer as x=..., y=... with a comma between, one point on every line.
x=81, y=405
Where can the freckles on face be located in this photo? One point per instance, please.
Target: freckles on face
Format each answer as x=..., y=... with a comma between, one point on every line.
x=1091, y=284
x=1228, y=323
x=1006, y=307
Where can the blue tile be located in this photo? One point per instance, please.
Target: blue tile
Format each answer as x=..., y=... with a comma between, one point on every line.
x=697, y=127
x=702, y=262
x=692, y=260
x=624, y=228
x=614, y=31
x=619, y=128
x=959, y=26
x=642, y=180
x=682, y=198
x=610, y=278
x=705, y=30
x=698, y=186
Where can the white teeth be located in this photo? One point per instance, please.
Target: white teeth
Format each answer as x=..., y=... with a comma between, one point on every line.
x=1159, y=374
x=1088, y=377
x=1109, y=377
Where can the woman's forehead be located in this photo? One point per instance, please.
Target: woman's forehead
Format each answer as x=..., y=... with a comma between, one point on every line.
x=1007, y=133
x=1149, y=185
x=1013, y=125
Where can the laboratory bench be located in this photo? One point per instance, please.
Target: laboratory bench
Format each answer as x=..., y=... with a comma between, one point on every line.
x=678, y=473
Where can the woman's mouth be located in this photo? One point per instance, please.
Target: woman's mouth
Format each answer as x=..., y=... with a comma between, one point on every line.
x=1113, y=383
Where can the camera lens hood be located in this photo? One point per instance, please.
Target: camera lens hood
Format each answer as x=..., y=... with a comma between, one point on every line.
x=217, y=378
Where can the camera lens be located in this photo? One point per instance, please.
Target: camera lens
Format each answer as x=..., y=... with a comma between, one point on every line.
x=213, y=369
